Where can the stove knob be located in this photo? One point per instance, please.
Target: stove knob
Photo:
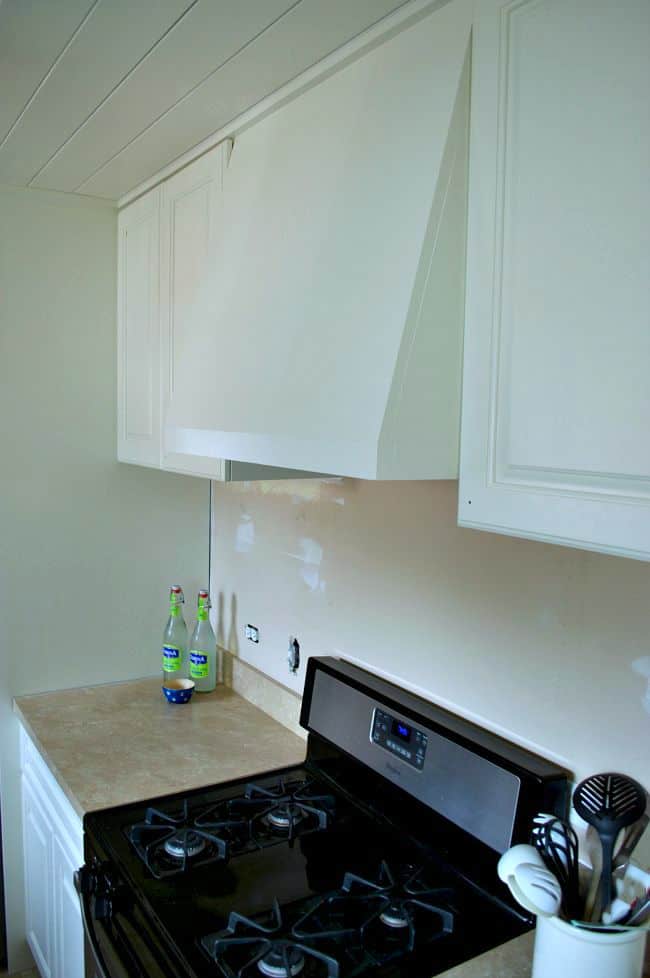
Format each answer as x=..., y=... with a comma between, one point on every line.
x=95, y=880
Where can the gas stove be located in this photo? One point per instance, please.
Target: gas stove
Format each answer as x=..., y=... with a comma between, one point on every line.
x=377, y=856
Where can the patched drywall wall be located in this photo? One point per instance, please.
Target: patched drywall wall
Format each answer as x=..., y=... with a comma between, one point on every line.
x=546, y=645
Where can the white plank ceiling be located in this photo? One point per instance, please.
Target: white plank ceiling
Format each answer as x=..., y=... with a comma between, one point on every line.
x=98, y=95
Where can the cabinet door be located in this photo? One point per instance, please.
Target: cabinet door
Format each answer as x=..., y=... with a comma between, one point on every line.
x=68, y=926
x=191, y=206
x=39, y=891
x=556, y=394
x=138, y=331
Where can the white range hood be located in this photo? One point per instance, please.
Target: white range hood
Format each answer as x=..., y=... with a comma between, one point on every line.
x=329, y=329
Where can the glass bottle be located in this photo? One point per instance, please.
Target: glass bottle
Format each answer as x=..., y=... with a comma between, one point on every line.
x=203, y=648
x=174, y=649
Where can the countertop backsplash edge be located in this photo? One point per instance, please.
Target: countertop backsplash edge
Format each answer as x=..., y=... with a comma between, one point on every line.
x=268, y=695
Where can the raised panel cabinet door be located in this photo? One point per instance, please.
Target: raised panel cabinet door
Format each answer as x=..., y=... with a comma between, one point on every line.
x=555, y=434
x=138, y=331
x=67, y=914
x=191, y=210
x=39, y=891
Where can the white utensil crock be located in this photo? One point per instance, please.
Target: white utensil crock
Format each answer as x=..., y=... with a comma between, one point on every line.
x=561, y=949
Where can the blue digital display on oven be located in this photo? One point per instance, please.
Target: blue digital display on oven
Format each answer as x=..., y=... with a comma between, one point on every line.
x=402, y=731
x=407, y=743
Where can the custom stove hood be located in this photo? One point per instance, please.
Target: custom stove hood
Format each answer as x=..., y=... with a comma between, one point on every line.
x=329, y=327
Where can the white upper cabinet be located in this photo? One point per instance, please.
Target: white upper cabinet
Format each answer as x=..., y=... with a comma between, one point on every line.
x=192, y=204
x=164, y=240
x=138, y=332
x=555, y=440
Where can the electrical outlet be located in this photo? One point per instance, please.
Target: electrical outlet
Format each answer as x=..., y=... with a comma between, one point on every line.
x=293, y=656
x=252, y=634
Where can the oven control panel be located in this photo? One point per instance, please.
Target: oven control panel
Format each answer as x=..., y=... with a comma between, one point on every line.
x=399, y=737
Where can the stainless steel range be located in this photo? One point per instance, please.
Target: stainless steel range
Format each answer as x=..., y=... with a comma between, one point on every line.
x=377, y=856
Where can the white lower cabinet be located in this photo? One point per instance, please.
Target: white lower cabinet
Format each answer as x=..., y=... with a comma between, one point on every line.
x=37, y=836
x=68, y=931
x=53, y=851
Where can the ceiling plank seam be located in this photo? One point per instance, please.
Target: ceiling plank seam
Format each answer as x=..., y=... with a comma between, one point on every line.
x=108, y=95
x=188, y=94
x=48, y=73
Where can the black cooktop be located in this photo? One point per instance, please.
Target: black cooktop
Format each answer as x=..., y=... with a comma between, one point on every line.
x=289, y=875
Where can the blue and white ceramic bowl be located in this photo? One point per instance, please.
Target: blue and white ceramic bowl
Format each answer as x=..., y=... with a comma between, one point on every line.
x=178, y=690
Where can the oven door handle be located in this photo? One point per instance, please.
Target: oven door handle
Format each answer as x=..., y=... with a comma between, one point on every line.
x=86, y=882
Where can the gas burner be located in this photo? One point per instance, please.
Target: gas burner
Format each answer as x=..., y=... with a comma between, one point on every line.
x=276, y=812
x=284, y=962
x=184, y=844
x=265, y=945
x=389, y=915
x=172, y=844
x=394, y=916
x=284, y=817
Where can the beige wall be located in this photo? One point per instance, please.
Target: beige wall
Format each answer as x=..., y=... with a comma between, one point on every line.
x=537, y=642
x=88, y=547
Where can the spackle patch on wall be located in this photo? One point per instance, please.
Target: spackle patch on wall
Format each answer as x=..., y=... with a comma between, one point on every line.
x=310, y=557
x=245, y=535
x=642, y=667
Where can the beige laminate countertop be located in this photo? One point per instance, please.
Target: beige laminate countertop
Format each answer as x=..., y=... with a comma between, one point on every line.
x=511, y=960
x=118, y=743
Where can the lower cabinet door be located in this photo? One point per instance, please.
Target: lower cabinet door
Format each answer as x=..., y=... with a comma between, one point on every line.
x=67, y=914
x=37, y=835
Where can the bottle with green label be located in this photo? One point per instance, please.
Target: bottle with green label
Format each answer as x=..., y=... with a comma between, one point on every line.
x=174, y=650
x=203, y=648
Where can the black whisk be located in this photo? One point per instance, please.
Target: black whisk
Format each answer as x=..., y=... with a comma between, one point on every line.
x=557, y=844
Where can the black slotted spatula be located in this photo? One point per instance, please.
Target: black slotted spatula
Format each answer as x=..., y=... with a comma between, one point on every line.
x=609, y=802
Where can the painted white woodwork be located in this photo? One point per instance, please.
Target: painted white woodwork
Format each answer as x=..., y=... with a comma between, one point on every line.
x=99, y=96
x=32, y=37
x=38, y=881
x=163, y=242
x=81, y=80
x=329, y=330
x=556, y=397
x=401, y=17
x=191, y=211
x=138, y=331
x=68, y=932
x=305, y=34
x=53, y=851
x=208, y=36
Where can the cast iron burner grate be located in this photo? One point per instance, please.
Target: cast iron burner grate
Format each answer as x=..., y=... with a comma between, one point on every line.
x=170, y=844
x=352, y=931
x=393, y=914
x=265, y=946
x=274, y=814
